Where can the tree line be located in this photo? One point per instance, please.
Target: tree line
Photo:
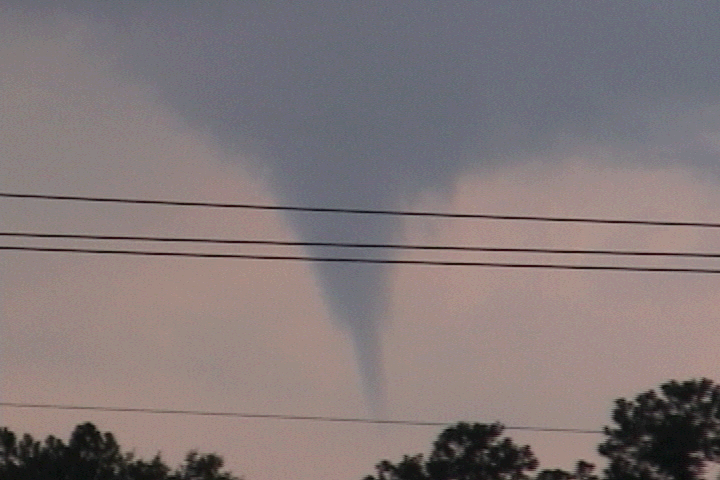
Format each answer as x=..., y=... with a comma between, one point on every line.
x=94, y=455
x=671, y=433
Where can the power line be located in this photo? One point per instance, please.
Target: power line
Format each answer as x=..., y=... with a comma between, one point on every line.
x=361, y=211
x=388, y=246
x=303, y=258
x=277, y=416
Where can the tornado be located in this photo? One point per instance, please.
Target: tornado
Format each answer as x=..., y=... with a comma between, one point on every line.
x=367, y=104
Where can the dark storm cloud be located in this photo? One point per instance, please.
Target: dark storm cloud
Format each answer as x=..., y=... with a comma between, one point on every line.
x=390, y=96
x=364, y=104
x=381, y=98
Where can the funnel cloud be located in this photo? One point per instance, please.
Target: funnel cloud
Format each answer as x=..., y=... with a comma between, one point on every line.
x=367, y=104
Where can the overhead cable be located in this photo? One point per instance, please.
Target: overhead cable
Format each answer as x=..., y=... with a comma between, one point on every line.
x=361, y=211
x=384, y=261
x=345, y=245
x=276, y=416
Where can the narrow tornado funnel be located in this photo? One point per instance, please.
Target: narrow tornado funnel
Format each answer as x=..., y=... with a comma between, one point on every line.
x=362, y=104
x=356, y=294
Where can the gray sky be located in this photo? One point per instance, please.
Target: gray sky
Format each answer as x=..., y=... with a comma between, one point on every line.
x=582, y=108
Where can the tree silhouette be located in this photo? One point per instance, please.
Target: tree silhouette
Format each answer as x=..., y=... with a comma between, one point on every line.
x=669, y=435
x=94, y=455
x=465, y=452
x=583, y=471
x=201, y=467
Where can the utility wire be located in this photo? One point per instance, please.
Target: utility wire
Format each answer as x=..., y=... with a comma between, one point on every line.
x=388, y=246
x=362, y=211
x=276, y=416
x=303, y=258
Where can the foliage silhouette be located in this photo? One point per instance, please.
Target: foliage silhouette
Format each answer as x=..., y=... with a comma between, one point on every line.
x=94, y=455
x=667, y=435
x=465, y=452
x=670, y=434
